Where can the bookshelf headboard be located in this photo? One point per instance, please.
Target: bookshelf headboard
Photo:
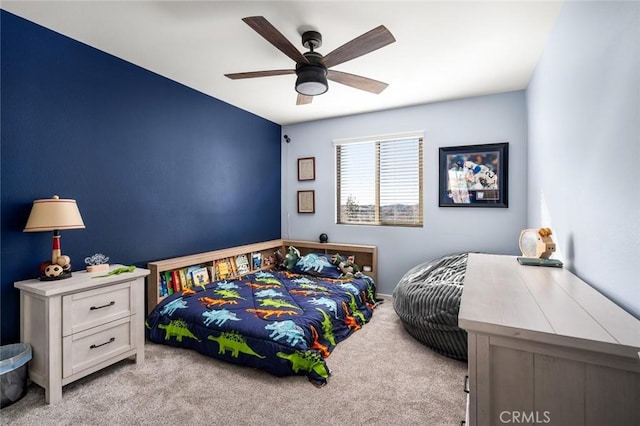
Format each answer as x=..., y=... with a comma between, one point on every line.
x=366, y=256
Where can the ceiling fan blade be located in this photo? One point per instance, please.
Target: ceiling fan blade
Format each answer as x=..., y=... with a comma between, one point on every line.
x=275, y=37
x=254, y=74
x=304, y=99
x=357, y=81
x=366, y=43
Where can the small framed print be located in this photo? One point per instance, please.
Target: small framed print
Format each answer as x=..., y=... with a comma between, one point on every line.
x=307, y=168
x=307, y=201
x=474, y=175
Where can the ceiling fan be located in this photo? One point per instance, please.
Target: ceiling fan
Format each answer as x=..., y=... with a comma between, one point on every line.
x=312, y=69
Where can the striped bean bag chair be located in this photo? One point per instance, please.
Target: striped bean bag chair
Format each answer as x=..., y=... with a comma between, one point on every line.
x=427, y=300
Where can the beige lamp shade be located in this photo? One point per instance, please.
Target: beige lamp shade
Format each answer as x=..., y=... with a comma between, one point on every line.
x=53, y=214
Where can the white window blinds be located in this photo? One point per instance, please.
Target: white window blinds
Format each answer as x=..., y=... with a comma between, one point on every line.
x=379, y=181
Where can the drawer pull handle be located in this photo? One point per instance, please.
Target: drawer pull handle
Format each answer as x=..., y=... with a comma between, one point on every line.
x=102, y=344
x=466, y=384
x=93, y=308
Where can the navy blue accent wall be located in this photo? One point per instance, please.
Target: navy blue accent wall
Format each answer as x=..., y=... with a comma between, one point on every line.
x=158, y=170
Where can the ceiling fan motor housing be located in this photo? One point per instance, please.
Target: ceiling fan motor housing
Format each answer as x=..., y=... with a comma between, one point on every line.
x=312, y=77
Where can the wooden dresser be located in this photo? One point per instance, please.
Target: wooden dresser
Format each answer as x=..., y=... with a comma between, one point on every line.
x=79, y=325
x=546, y=348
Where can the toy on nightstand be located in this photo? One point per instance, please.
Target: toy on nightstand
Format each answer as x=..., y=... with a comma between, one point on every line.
x=97, y=263
x=537, y=243
x=118, y=271
x=55, y=271
x=536, y=246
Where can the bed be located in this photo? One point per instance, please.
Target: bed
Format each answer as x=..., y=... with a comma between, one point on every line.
x=285, y=322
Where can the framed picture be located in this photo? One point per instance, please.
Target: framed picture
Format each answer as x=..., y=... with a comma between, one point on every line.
x=474, y=175
x=307, y=201
x=307, y=168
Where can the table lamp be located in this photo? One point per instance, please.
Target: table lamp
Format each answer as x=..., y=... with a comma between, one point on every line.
x=54, y=214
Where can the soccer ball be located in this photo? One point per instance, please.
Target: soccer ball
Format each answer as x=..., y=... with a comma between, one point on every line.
x=53, y=271
x=65, y=262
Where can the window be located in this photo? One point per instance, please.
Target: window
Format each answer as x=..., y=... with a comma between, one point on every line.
x=379, y=181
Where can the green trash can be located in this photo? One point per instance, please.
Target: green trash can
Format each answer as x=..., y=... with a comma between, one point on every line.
x=13, y=372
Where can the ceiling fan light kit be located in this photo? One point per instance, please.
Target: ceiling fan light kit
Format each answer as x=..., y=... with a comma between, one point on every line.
x=312, y=69
x=312, y=77
x=312, y=81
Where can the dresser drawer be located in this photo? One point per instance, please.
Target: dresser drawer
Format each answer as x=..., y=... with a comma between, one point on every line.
x=81, y=311
x=86, y=349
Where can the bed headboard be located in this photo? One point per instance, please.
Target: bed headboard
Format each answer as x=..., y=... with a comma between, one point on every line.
x=366, y=257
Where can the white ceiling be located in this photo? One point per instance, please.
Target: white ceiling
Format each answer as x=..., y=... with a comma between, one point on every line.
x=443, y=50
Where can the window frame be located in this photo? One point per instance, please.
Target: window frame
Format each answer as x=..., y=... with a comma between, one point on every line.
x=376, y=142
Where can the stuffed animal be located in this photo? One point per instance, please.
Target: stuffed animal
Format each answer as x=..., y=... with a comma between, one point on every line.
x=291, y=258
x=347, y=267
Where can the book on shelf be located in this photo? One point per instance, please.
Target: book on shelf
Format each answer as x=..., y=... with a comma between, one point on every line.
x=169, y=282
x=200, y=276
x=182, y=273
x=223, y=269
x=189, y=272
x=175, y=277
x=256, y=260
x=242, y=264
x=234, y=269
x=162, y=286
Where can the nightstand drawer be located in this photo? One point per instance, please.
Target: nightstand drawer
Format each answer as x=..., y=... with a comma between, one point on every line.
x=86, y=349
x=81, y=311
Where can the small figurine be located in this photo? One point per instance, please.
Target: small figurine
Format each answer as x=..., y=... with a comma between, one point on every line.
x=269, y=260
x=97, y=262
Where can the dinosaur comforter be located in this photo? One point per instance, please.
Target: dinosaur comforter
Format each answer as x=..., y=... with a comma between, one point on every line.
x=284, y=322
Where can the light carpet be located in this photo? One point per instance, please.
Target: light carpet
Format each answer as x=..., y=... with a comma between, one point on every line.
x=380, y=376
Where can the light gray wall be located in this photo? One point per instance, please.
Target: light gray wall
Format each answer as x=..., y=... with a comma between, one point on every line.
x=478, y=120
x=584, y=145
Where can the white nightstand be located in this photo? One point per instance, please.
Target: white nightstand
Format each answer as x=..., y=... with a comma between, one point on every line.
x=80, y=325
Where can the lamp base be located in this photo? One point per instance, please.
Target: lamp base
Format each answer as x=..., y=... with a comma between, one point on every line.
x=62, y=276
